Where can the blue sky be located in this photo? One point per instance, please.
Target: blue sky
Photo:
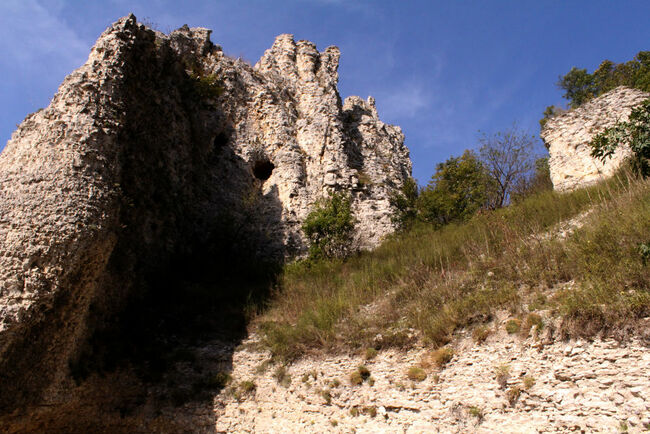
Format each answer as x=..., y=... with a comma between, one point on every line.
x=441, y=70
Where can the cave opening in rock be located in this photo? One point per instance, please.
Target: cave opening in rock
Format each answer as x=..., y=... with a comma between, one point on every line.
x=220, y=140
x=262, y=169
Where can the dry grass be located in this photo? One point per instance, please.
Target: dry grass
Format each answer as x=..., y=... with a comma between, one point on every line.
x=437, y=281
x=416, y=373
x=480, y=334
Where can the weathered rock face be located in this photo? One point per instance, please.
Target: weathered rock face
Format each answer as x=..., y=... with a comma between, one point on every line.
x=158, y=148
x=567, y=137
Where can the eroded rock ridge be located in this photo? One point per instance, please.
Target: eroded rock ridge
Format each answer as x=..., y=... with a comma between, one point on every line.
x=567, y=137
x=154, y=161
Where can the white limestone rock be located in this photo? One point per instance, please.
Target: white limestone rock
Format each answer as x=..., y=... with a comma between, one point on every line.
x=567, y=137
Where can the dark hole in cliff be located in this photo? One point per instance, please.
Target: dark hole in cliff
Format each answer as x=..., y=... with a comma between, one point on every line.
x=220, y=140
x=262, y=169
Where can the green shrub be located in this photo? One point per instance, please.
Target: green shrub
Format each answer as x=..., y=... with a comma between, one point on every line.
x=247, y=386
x=442, y=356
x=219, y=380
x=634, y=133
x=513, y=395
x=476, y=412
x=459, y=188
x=329, y=228
x=644, y=252
x=513, y=326
x=532, y=320
x=370, y=411
x=326, y=395
x=580, y=86
x=405, y=204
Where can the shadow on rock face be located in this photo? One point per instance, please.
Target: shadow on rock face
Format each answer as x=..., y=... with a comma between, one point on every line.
x=138, y=340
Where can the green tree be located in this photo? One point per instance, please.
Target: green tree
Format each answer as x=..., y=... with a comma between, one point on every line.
x=459, y=188
x=405, y=204
x=578, y=86
x=508, y=157
x=634, y=133
x=329, y=228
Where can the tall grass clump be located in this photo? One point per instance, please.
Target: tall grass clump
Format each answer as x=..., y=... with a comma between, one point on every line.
x=438, y=280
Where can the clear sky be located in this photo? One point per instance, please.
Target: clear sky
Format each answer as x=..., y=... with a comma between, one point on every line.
x=441, y=70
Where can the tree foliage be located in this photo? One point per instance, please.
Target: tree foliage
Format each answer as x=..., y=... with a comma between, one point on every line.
x=634, y=133
x=580, y=86
x=405, y=204
x=509, y=158
x=460, y=187
x=329, y=228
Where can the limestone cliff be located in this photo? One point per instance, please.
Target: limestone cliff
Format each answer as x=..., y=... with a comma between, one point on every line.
x=567, y=137
x=160, y=147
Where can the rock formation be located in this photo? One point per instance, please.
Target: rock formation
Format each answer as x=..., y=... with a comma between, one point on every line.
x=156, y=160
x=567, y=137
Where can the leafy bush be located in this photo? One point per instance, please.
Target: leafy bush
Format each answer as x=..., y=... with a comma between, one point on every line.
x=282, y=376
x=459, y=188
x=580, y=86
x=405, y=204
x=442, y=356
x=635, y=133
x=480, y=334
x=329, y=228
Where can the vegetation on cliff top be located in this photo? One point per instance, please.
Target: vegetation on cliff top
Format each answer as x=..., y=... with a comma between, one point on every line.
x=579, y=86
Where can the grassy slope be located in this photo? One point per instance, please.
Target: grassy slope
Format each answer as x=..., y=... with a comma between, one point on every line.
x=428, y=283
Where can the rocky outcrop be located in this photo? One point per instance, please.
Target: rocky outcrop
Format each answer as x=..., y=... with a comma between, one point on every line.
x=157, y=163
x=567, y=137
x=505, y=384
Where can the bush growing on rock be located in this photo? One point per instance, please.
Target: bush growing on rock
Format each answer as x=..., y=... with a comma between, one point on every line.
x=359, y=376
x=513, y=325
x=502, y=375
x=634, y=133
x=329, y=228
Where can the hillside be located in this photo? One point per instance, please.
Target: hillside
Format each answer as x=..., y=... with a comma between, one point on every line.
x=534, y=318
x=193, y=244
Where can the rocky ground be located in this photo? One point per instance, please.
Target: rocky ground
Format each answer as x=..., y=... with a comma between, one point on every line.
x=508, y=383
